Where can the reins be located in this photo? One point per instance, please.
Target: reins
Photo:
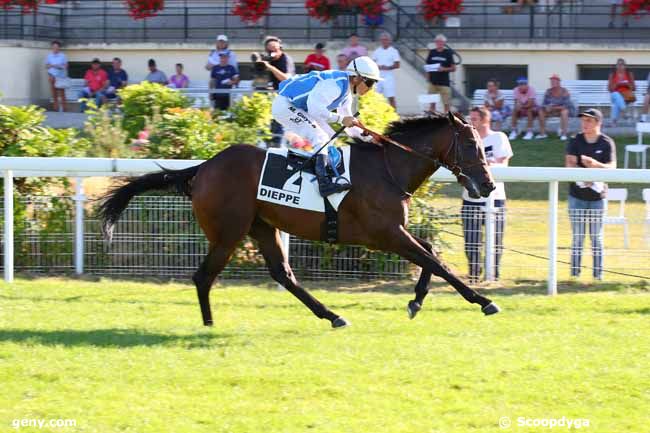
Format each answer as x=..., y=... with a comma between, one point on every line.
x=439, y=162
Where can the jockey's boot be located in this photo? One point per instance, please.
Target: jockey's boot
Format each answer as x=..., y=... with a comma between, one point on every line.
x=325, y=184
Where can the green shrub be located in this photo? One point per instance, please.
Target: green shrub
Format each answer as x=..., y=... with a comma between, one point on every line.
x=375, y=112
x=106, y=135
x=254, y=112
x=139, y=100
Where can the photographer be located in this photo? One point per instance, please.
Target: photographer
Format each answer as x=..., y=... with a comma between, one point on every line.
x=274, y=60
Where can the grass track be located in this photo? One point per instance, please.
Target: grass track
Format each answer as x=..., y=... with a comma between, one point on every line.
x=131, y=357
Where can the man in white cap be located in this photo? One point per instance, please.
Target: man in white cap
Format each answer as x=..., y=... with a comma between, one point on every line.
x=305, y=105
x=221, y=47
x=387, y=58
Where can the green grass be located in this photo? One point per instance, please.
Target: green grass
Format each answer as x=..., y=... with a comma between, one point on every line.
x=132, y=357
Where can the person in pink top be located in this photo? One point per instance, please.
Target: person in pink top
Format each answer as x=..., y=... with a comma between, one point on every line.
x=179, y=80
x=525, y=106
x=354, y=49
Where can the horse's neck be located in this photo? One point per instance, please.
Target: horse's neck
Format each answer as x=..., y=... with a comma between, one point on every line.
x=410, y=170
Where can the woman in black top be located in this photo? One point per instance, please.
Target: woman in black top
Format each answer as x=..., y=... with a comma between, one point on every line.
x=590, y=149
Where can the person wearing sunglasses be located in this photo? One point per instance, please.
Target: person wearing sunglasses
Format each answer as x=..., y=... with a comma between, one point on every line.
x=306, y=105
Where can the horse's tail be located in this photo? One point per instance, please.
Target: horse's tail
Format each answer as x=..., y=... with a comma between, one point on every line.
x=117, y=199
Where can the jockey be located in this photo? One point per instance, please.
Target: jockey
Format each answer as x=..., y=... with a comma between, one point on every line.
x=305, y=103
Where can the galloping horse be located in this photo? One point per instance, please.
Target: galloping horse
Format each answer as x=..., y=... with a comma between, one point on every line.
x=374, y=213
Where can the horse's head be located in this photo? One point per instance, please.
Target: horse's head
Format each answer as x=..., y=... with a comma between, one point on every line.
x=466, y=158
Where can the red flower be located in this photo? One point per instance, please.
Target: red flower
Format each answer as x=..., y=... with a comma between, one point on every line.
x=251, y=10
x=636, y=7
x=440, y=8
x=325, y=10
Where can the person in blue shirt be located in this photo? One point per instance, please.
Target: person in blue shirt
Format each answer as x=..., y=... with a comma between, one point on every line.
x=118, y=78
x=223, y=76
x=305, y=105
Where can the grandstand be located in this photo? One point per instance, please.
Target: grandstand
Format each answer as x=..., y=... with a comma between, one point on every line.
x=572, y=38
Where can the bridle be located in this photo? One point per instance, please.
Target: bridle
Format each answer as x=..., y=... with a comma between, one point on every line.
x=454, y=167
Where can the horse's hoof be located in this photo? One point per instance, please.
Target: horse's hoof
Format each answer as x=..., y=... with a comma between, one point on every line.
x=207, y=323
x=490, y=309
x=340, y=322
x=413, y=309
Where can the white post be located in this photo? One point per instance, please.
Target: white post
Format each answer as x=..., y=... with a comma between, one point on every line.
x=552, y=237
x=490, y=239
x=9, y=226
x=285, y=246
x=79, y=199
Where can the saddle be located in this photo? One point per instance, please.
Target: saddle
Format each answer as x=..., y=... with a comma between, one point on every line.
x=300, y=161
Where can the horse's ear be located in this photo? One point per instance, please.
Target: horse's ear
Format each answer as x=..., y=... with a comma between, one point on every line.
x=452, y=118
x=462, y=119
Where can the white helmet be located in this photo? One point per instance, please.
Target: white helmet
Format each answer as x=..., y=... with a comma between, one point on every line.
x=365, y=67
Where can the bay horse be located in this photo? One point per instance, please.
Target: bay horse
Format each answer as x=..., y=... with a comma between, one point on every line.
x=223, y=191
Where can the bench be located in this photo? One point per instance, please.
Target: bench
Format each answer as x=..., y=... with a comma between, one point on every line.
x=584, y=93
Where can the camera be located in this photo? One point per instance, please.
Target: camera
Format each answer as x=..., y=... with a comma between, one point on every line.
x=257, y=57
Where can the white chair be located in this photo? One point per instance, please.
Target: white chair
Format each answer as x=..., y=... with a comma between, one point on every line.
x=427, y=99
x=638, y=149
x=620, y=195
x=646, y=220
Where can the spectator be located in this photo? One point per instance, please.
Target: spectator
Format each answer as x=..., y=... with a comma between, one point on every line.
x=221, y=47
x=525, y=106
x=646, y=102
x=387, y=58
x=118, y=79
x=354, y=49
x=590, y=149
x=317, y=61
x=497, y=153
x=495, y=102
x=621, y=86
x=342, y=62
x=281, y=67
x=223, y=76
x=557, y=102
x=439, y=78
x=155, y=75
x=56, y=64
x=612, y=14
x=179, y=80
x=96, y=84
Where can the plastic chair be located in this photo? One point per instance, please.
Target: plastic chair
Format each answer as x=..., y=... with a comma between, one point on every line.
x=638, y=149
x=646, y=221
x=620, y=195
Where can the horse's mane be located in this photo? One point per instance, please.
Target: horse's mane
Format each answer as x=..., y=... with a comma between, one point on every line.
x=408, y=125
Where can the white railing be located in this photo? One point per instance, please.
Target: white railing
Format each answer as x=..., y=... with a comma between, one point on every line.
x=79, y=168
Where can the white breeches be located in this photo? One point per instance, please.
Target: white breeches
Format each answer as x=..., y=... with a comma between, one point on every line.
x=299, y=122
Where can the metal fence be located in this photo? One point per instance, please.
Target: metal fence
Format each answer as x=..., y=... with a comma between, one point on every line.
x=158, y=237
x=108, y=21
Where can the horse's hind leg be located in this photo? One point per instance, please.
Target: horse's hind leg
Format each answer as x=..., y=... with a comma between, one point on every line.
x=270, y=245
x=211, y=266
x=422, y=286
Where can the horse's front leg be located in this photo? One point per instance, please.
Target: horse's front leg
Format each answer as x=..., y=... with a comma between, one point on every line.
x=422, y=286
x=404, y=244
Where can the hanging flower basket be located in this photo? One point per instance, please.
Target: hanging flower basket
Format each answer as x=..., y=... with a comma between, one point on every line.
x=251, y=11
x=636, y=7
x=141, y=9
x=27, y=6
x=325, y=10
x=433, y=10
